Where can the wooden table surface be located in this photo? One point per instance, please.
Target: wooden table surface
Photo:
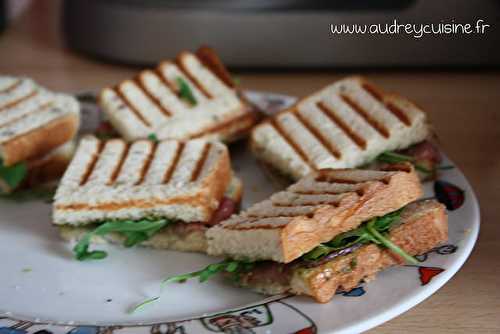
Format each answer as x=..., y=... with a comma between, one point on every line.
x=464, y=107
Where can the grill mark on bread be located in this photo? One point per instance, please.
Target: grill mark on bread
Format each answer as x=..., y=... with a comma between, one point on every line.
x=150, y=96
x=12, y=87
x=382, y=130
x=17, y=119
x=329, y=112
x=127, y=102
x=192, y=78
x=310, y=203
x=370, y=89
x=330, y=179
x=279, y=215
x=171, y=169
x=209, y=58
x=19, y=100
x=395, y=110
x=147, y=163
x=91, y=165
x=158, y=72
x=318, y=192
x=317, y=134
x=119, y=166
x=290, y=142
x=201, y=162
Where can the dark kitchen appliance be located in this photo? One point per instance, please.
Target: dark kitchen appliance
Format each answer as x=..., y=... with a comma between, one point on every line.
x=281, y=33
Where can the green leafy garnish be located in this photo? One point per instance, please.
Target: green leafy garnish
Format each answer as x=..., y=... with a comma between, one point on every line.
x=372, y=231
x=185, y=91
x=233, y=267
x=13, y=175
x=394, y=158
x=370, y=226
x=153, y=137
x=135, y=232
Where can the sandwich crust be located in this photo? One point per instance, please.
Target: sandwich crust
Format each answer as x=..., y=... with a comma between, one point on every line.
x=40, y=141
x=314, y=210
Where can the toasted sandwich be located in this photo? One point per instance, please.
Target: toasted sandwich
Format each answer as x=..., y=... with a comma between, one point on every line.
x=161, y=194
x=326, y=233
x=191, y=97
x=347, y=124
x=36, y=130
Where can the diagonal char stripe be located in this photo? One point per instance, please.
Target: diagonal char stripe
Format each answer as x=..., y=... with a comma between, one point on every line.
x=126, y=101
x=317, y=134
x=170, y=171
x=290, y=141
x=201, y=162
x=369, y=119
x=151, y=97
x=343, y=126
x=396, y=111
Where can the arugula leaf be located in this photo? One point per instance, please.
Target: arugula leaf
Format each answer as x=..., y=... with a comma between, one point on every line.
x=370, y=226
x=185, y=91
x=388, y=221
x=153, y=138
x=370, y=232
x=135, y=232
x=394, y=158
x=233, y=267
x=13, y=175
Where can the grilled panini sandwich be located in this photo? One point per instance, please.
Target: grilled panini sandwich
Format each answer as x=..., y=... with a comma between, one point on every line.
x=347, y=124
x=36, y=129
x=328, y=232
x=161, y=194
x=191, y=97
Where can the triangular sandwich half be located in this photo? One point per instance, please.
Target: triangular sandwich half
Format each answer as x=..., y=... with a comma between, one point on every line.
x=348, y=124
x=36, y=129
x=190, y=97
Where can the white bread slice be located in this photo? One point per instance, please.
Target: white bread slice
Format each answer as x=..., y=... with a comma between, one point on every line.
x=113, y=179
x=190, y=238
x=314, y=210
x=345, y=125
x=33, y=120
x=151, y=103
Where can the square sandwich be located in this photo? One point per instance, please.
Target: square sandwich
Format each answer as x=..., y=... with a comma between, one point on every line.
x=348, y=124
x=191, y=97
x=329, y=232
x=162, y=194
x=36, y=131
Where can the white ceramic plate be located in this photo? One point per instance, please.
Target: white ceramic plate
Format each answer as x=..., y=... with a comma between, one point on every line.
x=43, y=290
